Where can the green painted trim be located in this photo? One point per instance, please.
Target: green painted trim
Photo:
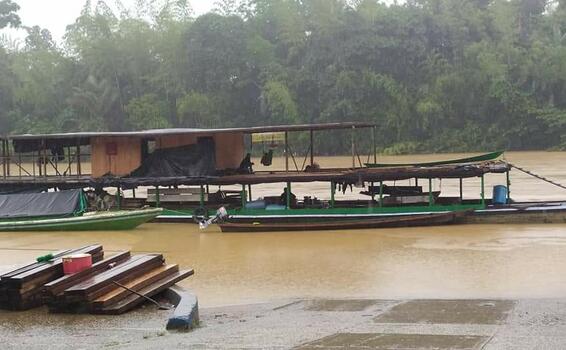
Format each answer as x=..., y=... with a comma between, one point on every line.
x=368, y=210
x=330, y=211
x=111, y=221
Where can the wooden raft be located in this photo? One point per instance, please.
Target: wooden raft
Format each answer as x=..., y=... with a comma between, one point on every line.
x=95, y=290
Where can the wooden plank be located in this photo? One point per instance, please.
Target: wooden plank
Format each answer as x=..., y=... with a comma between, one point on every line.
x=50, y=275
x=174, y=191
x=56, y=264
x=134, y=300
x=59, y=285
x=53, y=269
x=103, y=283
x=33, y=265
x=177, y=198
x=137, y=284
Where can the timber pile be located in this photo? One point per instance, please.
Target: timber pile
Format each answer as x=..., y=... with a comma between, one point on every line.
x=94, y=290
x=21, y=289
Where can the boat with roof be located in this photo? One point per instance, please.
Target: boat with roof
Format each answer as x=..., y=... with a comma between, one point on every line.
x=190, y=173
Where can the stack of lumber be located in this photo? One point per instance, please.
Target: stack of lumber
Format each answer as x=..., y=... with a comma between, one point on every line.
x=21, y=289
x=97, y=290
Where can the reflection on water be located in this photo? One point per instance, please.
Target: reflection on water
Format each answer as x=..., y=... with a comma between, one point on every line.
x=436, y=262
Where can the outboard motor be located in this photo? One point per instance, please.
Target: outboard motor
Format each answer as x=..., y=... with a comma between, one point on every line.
x=221, y=215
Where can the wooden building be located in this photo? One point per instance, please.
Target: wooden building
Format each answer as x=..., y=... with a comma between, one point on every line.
x=86, y=156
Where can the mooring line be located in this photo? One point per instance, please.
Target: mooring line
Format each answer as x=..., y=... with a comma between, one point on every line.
x=537, y=176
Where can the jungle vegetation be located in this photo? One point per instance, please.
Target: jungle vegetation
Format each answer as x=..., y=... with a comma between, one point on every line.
x=434, y=75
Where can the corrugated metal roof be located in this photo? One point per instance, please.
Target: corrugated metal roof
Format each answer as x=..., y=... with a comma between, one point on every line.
x=180, y=131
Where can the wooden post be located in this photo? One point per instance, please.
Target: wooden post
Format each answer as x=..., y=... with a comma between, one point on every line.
x=286, y=151
x=374, y=141
x=381, y=193
x=21, y=165
x=243, y=195
x=79, y=170
x=332, y=193
x=157, y=196
x=353, y=148
x=430, y=198
x=250, y=192
x=201, y=196
x=372, y=192
x=133, y=193
x=70, y=161
x=4, y=158
x=8, y=155
x=312, y=147
x=288, y=192
x=44, y=160
x=33, y=162
x=461, y=190
x=508, y=187
x=119, y=197
x=483, y=190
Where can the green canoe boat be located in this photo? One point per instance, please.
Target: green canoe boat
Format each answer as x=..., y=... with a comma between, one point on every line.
x=480, y=158
x=106, y=221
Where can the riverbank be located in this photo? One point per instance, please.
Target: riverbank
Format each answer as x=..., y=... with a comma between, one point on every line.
x=307, y=325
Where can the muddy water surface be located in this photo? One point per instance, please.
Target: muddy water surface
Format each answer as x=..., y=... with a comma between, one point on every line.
x=475, y=261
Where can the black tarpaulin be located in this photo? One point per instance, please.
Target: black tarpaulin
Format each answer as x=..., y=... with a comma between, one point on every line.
x=191, y=160
x=30, y=205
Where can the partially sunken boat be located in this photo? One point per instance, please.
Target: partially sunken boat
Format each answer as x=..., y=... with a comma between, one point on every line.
x=190, y=173
x=64, y=211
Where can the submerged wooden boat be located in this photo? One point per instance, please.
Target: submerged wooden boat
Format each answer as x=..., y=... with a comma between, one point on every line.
x=388, y=222
x=107, y=221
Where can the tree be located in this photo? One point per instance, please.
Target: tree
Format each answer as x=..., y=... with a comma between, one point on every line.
x=8, y=16
x=147, y=112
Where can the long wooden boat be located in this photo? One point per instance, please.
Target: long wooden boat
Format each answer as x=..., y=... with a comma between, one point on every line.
x=480, y=158
x=106, y=221
x=389, y=222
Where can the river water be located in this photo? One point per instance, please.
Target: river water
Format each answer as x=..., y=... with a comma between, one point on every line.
x=472, y=261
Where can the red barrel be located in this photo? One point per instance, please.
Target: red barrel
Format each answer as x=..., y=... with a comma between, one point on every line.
x=76, y=263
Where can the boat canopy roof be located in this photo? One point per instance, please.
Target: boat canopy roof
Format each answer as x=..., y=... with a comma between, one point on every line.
x=182, y=131
x=35, y=142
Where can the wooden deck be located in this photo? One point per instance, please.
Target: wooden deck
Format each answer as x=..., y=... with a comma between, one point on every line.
x=349, y=176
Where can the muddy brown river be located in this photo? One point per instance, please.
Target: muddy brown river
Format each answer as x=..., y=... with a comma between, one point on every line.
x=473, y=261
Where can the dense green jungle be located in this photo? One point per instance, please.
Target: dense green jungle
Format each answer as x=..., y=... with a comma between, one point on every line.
x=433, y=75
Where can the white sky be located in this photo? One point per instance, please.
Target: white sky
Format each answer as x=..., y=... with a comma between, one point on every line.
x=55, y=15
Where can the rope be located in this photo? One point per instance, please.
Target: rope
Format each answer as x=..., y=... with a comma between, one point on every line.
x=538, y=176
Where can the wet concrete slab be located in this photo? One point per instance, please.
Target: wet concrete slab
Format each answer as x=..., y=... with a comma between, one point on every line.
x=353, y=305
x=487, y=312
x=379, y=341
x=287, y=324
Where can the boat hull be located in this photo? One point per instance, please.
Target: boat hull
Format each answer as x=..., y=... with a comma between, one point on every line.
x=110, y=221
x=389, y=222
